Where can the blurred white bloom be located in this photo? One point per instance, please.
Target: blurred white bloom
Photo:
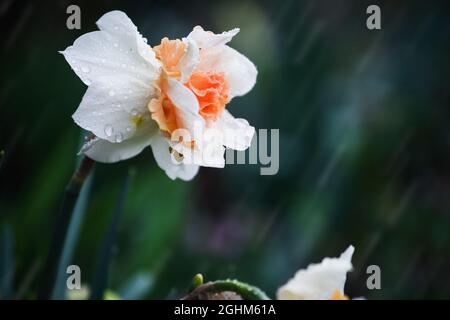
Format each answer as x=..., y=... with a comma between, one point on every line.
x=322, y=281
x=167, y=97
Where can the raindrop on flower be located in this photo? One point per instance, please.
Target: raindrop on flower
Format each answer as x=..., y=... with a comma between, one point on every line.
x=119, y=137
x=109, y=130
x=134, y=112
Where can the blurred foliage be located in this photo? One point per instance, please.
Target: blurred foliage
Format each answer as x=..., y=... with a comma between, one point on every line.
x=364, y=151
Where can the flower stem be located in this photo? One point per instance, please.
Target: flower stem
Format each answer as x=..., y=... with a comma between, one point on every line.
x=70, y=197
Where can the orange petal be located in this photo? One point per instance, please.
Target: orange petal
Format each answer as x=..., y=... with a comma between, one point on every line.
x=338, y=295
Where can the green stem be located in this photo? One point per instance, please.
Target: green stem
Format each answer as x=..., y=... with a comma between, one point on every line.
x=244, y=290
x=70, y=197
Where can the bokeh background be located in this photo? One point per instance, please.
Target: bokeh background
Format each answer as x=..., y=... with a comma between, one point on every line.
x=364, y=152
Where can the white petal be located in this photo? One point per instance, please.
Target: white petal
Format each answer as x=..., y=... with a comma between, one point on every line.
x=208, y=152
x=98, y=55
x=115, y=109
x=160, y=147
x=190, y=60
x=207, y=39
x=239, y=71
x=237, y=133
x=186, y=104
x=105, y=151
x=319, y=281
x=212, y=154
x=118, y=24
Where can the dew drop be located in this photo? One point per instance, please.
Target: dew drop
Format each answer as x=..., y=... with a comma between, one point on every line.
x=119, y=137
x=129, y=129
x=134, y=112
x=109, y=130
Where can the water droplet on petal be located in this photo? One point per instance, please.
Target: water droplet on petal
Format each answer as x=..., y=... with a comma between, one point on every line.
x=129, y=129
x=134, y=112
x=109, y=130
x=119, y=137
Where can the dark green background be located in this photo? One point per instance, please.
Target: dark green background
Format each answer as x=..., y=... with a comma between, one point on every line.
x=364, y=149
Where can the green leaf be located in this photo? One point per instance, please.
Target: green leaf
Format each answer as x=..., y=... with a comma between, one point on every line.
x=59, y=289
x=62, y=226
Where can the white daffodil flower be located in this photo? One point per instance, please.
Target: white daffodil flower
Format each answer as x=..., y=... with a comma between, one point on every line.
x=323, y=281
x=171, y=97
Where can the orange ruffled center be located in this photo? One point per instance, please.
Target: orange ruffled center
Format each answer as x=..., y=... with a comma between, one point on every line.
x=210, y=88
x=162, y=109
